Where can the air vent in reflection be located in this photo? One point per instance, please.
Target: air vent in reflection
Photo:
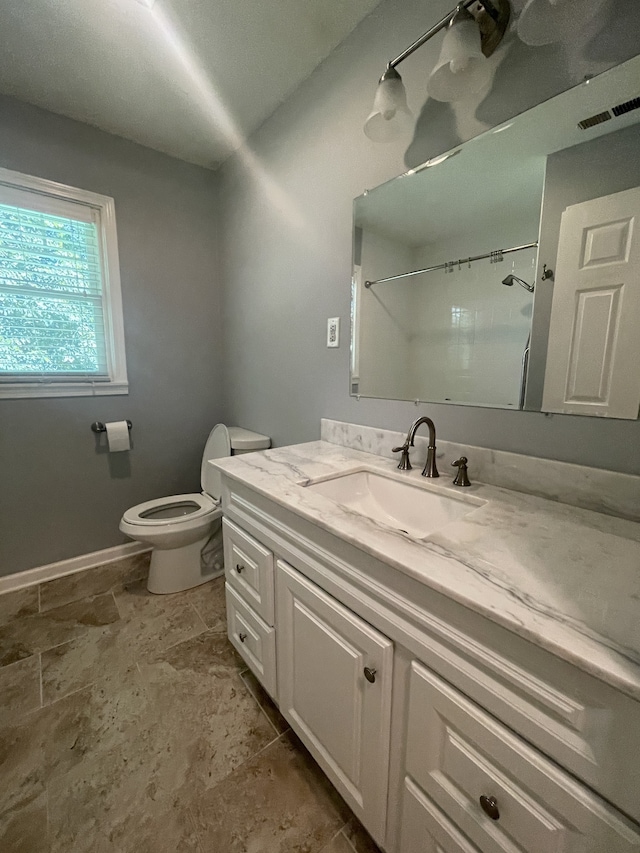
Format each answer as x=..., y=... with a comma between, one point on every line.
x=592, y=121
x=621, y=109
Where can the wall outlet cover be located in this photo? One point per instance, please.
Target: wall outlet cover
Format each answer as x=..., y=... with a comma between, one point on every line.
x=333, y=332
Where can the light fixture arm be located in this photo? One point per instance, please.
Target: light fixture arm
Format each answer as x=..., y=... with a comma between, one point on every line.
x=488, y=6
x=470, y=36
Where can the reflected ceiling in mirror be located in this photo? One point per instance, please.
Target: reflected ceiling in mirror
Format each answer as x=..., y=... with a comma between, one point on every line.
x=445, y=256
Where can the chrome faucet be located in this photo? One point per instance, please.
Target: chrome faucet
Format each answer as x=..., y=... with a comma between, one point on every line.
x=430, y=469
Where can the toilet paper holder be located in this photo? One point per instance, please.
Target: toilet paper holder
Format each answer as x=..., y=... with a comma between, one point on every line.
x=98, y=426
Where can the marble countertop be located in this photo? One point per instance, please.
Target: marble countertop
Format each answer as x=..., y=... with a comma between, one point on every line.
x=565, y=578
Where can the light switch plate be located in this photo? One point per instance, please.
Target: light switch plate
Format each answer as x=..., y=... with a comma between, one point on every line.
x=333, y=332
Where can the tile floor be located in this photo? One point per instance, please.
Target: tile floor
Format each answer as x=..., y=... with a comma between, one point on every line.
x=128, y=723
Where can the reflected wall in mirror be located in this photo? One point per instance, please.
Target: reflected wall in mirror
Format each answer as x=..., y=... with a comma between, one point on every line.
x=446, y=256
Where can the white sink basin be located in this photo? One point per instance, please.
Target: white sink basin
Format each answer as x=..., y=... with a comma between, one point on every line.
x=403, y=505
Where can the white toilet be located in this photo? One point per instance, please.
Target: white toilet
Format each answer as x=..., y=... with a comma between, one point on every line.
x=182, y=528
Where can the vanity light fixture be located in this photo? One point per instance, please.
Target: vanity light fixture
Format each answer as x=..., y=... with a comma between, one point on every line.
x=460, y=70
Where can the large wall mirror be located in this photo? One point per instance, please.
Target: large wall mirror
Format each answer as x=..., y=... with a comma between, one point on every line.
x=506, y=272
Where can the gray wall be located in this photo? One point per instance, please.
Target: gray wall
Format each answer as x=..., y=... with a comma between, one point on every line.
x=60, y=496
x=286, y=233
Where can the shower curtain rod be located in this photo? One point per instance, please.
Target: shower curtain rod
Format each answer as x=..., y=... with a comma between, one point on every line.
x=495, y=256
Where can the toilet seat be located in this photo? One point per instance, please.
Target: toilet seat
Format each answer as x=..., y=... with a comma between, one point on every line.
x=184, y=531
x=175, y=510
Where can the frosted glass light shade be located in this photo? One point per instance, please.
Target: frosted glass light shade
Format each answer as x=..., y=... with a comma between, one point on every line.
x=462, y=68
x=548, y=21
x=391, y=117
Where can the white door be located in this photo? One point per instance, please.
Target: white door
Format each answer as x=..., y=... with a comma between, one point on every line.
x=593, y=355
x=334, y=687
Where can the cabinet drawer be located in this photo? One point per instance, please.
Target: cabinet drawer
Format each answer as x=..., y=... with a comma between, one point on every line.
x=249, y=569
x=588, y=727
x=254, y=640
x=457, y=754
x=425, y=829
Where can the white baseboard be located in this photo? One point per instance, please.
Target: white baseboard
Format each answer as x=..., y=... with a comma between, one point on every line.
x=50, y=572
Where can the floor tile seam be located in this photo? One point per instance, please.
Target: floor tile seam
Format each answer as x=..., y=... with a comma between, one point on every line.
x=83, y=598
x=70, y=693
x=4, y=666
x=249, y=758
x=238, y=768
x=115, y=601
x=111, y=590
x=333, y=838
x=162, y=651
x=209, y=627
x=39, y=651
x=259, y=704
x=20, y=722
x=72, y=640
x=195, y=610
x=41, y=679
x=343, y=831
x=76, y=626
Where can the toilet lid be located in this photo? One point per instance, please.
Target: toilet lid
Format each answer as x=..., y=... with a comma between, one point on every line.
x=218, y=446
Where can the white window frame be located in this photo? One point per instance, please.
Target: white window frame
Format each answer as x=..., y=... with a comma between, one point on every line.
x=104, y=206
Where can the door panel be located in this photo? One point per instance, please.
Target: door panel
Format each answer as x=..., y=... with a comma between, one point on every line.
x=595, y=314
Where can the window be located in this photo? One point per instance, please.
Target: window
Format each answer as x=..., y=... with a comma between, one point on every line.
x=61, y=330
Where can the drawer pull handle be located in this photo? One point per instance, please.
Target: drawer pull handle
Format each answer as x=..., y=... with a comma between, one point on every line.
x=370, y=674
x=490, y=807
x=239, y=568
x=242, y=637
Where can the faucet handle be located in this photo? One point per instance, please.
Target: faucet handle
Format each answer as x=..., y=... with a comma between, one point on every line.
x=461, y=478
x=404, y=464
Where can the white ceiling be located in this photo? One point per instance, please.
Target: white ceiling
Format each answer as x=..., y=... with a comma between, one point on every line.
x=192, y=78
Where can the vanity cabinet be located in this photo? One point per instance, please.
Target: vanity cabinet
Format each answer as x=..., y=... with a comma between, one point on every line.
x=425, y=829
x=416, y=707
x=503, y=794
x=249, y=594
x=249, y=569
x=334, y=687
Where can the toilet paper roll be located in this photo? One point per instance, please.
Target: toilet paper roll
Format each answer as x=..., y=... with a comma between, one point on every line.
x=118, y=436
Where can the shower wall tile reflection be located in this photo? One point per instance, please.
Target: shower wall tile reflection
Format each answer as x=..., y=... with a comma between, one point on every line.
x=455, y=335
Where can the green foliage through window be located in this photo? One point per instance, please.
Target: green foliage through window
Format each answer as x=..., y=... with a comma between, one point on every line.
x=51, y=315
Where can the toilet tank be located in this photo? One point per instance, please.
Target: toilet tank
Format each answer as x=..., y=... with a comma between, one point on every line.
x=246, y=441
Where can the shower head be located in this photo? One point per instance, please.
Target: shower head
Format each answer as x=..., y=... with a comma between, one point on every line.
x=511, y=278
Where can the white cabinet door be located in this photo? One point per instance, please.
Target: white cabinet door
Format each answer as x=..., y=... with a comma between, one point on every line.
x=592, y=355
x=323, y=653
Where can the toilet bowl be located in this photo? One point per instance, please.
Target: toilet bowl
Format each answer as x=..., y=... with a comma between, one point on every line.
x=183, y=529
